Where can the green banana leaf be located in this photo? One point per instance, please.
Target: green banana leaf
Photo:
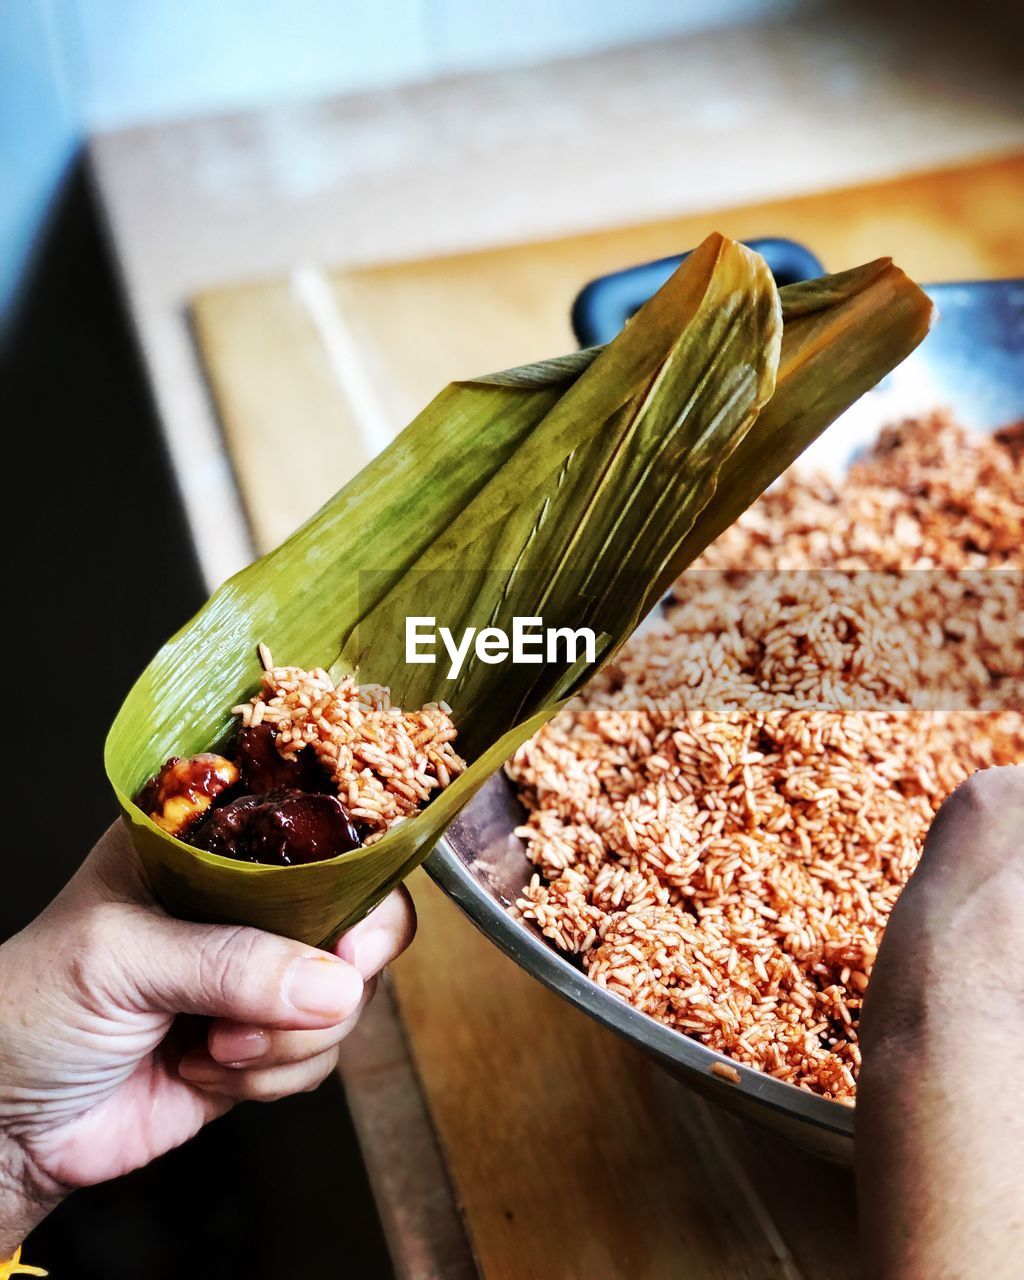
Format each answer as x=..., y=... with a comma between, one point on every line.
x=576, y=489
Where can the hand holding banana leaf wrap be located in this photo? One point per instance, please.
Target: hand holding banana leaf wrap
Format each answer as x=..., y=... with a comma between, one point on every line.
x=574, y=490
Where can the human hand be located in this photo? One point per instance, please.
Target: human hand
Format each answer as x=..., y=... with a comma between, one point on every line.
x=940, y=1121
x=100, y=1072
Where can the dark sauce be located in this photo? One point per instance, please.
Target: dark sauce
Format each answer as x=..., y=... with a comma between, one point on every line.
x=201, y=775
x=264, y=768
x=284, y=828
x=146, y=798
x=269, y=810
x=205, y=775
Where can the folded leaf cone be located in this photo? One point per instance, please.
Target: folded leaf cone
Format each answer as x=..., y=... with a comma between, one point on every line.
x=574, y=490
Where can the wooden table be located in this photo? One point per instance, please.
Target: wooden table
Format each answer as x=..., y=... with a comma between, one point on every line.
x=566, y=1153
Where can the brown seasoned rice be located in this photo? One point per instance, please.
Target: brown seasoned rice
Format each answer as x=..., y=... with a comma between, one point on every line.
x=386, y=762
x=723, y=821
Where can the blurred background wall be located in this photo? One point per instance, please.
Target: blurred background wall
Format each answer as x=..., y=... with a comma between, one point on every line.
x=69, y=66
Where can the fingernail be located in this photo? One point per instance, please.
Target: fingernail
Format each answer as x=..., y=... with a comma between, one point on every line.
x=324, y=987
x=236, y=1047
x=368, y=950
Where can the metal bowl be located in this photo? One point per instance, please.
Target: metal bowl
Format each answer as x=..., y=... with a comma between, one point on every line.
x=971, y=362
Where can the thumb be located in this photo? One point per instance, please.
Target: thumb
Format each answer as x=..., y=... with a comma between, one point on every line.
x=169, y=966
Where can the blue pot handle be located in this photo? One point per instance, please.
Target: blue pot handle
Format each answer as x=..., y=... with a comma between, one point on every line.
x=603, y=306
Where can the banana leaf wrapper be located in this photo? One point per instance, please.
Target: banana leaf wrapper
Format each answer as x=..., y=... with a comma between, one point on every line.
x=575, y=490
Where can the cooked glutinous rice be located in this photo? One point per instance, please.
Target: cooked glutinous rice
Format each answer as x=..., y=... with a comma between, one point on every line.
x=386, y=762
x=722, y=822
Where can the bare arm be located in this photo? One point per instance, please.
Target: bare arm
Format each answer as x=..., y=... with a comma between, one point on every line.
x=100, y=1072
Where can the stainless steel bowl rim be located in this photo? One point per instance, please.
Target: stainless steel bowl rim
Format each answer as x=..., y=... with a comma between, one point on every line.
x=671, y=1047
x=971, y=363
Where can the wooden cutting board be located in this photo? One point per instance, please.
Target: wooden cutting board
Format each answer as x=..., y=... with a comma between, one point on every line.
x=311, y=374
x=570, y=1155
